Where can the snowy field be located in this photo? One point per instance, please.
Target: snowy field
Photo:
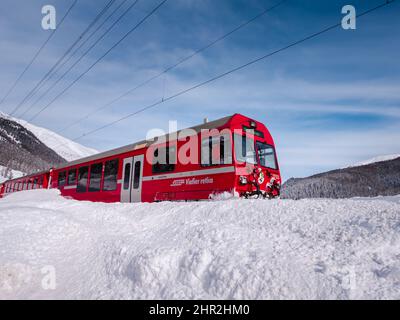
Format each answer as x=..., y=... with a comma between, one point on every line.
x=231, y=249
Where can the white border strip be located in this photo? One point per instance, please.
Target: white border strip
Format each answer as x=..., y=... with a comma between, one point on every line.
x=191, y=173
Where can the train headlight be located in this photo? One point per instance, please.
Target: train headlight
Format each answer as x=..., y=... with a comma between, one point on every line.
x=243, y=180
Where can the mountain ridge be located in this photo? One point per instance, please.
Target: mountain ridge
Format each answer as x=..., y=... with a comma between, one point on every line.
x=26, y=148
x=380, y=178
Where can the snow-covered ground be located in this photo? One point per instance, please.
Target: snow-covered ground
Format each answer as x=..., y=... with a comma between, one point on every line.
x=377, y=159
x=66, y=148
x=14, y=174
x=230, y=249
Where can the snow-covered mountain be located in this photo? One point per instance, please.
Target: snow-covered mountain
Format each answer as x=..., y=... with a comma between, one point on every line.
x=7, y=173
x=25, y=148
x=376, y=159
x=66, y=148
x=373, y=178
x=233, y=249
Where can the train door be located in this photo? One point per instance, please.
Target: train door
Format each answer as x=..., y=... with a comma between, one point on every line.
x=132, y=176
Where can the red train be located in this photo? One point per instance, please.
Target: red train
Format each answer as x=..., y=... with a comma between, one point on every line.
x=234, y=154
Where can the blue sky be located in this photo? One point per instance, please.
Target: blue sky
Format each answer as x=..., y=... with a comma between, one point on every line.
x=329, y=102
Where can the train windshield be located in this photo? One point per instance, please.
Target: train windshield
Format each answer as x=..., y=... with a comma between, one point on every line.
x=266, y=154
x=244, y=149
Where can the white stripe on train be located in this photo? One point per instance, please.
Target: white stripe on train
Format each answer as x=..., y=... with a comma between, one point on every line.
x=190, y=173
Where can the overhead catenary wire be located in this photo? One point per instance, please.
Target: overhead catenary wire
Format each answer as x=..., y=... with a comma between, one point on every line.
x=243, y=66
x=34, y=89
x=61, y=77
x=98, y=60
x=71, y=56
x=11, y=89
x=178, y=63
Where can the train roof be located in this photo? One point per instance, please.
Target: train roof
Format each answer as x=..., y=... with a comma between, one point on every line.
x=144, y=143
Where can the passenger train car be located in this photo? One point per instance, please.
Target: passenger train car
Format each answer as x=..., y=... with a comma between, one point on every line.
x=234, y=154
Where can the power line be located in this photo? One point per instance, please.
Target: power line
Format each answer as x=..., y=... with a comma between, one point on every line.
x=98, y=60
x=38, y=85
x=314, y=35
x=68, y=59
x=33, y=91
x=83, y=55
x=181, y=61
x=37, y=53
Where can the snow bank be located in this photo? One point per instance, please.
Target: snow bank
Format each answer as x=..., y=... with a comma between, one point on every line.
x=66, y=148
x=232, y=249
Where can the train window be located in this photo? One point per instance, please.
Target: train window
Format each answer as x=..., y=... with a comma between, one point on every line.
x=110, y=175
x=244, y=149
x=95, y=177
x=216, y=150
x=71, y=177
x=136, y=175
x=266, y=155
x=164, y=159
x=62, y=177
x=83, y=174
x=127, y=175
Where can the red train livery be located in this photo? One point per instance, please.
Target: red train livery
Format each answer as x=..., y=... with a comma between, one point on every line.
x=234, y=154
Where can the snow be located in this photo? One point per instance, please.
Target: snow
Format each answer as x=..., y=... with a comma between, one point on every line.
x=10, y=136
x=15, y=174
x=230, y=249
x=66, y=148
x=377, y=159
